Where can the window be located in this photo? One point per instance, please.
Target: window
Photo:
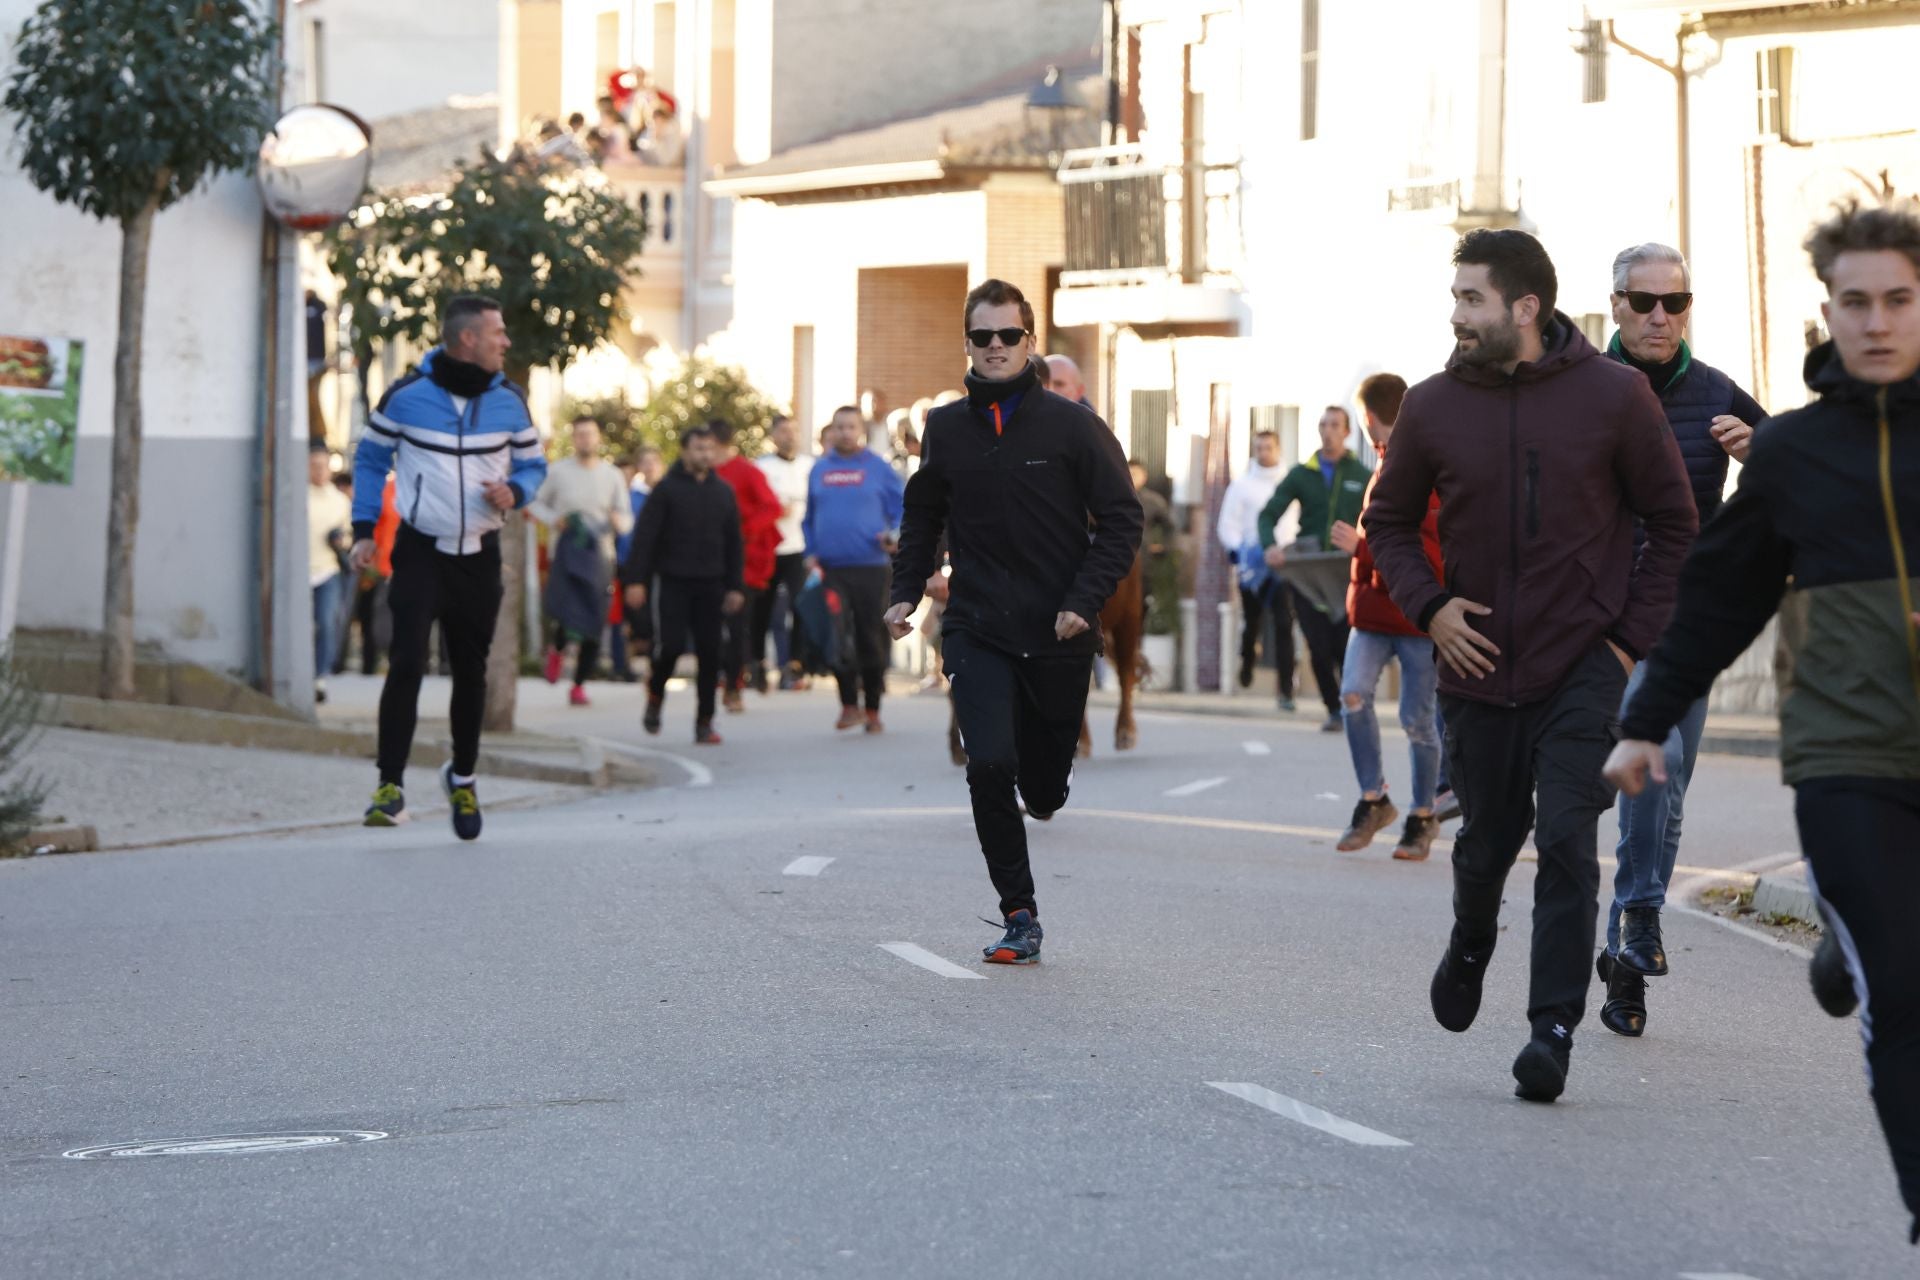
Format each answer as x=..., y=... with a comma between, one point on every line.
x=1593, y=61
x=1147, y=427
x=1773, y=78
x=1309, y=70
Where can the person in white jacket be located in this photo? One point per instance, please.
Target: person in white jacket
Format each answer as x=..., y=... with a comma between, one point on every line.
x=1237, y=532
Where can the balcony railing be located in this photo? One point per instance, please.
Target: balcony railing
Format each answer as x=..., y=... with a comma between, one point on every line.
x=1134, y=218
x=660, y=194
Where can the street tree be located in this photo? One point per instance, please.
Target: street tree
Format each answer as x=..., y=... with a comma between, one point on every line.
x=123, y=108
x=702, y=391
x=555, y=245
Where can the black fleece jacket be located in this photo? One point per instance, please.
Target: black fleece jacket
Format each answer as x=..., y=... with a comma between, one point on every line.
x=1033, y=495
x=688, y=528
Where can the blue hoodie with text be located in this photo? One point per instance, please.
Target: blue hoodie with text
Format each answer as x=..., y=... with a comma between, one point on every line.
x=851, y=503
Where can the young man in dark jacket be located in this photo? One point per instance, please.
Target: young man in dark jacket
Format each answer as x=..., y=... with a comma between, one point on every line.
x=1041, y=521
x=1827, y=516
x=1544, y=454
x=1381, y=633
x=1330, y=491
x=688, y=536
x=1712, y=419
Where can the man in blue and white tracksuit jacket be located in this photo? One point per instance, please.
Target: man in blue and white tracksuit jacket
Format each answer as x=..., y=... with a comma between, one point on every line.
x=465, y=452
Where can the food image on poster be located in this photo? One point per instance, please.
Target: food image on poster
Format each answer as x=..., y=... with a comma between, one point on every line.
x=39, y=407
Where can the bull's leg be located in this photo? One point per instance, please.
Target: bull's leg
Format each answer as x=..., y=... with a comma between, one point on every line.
x=1085, y=749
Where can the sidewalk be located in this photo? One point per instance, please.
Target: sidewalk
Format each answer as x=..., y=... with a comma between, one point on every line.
x=145, y=791
x=1739, y=735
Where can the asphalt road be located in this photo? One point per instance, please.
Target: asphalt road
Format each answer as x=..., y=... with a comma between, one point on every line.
x=627, y=1037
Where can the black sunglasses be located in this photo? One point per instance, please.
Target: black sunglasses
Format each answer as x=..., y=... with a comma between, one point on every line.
x=1675, y=303
x=983, y=338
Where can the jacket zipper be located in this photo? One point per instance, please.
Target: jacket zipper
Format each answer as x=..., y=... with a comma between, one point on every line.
x=1533, y=494
x=460, y=464
x=1899, y=546
x=1513, y=513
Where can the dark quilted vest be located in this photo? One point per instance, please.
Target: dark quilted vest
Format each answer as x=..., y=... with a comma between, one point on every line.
x=1695, y=399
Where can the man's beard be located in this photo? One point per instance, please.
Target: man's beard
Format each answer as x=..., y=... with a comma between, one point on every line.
x=1495, y=346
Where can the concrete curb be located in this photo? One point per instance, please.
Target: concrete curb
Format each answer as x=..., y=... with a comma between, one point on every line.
x=531, y=758
x=67, y=838
x=1786, y=893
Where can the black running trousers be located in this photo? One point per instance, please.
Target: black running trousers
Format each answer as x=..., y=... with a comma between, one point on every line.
x=689, y=608
x=1503, y=761
x=1861, y=837
x=861, y=665
x=1020, y=724
x=462, y=594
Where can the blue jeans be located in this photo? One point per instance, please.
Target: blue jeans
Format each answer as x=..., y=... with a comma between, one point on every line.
x=327, y=599
x=1367, y=655
x=1650, y=822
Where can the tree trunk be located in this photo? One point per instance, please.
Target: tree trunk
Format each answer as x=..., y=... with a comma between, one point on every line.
x=503, y=660
x=123, y=501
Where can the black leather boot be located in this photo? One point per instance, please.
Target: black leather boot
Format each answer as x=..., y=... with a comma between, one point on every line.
x=1640, y=948
x=1625, y=1012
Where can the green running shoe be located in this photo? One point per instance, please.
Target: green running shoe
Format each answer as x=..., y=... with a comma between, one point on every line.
x=463, y=805
x=389, y=807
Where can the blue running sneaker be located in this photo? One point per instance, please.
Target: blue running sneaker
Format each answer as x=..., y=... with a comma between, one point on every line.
x=1022, y=943
x=463, y=805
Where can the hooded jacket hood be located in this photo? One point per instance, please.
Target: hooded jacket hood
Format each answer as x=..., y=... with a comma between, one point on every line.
x=1826, y=375
x=1565, y=346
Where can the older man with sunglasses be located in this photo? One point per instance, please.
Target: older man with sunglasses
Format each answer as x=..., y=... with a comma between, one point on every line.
x=1712, y=419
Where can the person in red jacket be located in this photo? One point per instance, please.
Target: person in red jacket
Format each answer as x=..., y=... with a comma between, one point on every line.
x=1382, y=633
x=759, y=538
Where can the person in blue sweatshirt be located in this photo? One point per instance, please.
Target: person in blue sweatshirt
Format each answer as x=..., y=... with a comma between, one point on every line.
x=852, y=527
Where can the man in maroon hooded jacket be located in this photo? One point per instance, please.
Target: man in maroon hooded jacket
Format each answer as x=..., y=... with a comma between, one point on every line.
x=1544, y=454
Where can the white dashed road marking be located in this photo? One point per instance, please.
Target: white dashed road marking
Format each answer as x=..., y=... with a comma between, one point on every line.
x=1256, y=748
x=1194, y=788
x=1313, y=1117
x=928, y=961
x=806, y=865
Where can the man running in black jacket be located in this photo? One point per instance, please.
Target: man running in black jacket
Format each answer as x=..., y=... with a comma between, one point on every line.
x=1041, y=521
x=689, y=535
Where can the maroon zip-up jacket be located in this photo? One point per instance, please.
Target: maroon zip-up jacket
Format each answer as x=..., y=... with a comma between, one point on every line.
x=1541, y=476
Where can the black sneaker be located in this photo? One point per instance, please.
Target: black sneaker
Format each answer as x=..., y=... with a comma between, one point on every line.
x=651, y=720
x=1455, y=990
x=1540, y=1072
x=1333, y=723
x=389, y=807
x=1625, y=1012
x=1369, y=816
x=1446, y=805
x=1022, y=943
x=1832, y=984
x=463, y=805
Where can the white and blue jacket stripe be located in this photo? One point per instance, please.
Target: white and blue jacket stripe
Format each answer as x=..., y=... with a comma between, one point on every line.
x=443, y=458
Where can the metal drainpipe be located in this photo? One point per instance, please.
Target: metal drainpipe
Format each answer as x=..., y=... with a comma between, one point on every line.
x=266, y=458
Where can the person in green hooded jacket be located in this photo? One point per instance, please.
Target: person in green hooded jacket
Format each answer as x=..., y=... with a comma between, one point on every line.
x=1330, y=489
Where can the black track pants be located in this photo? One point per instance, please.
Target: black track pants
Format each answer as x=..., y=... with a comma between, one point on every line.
x=1020, y=723
x=1502, y=762
x=1861, y=837
x=462, y=594
x=689, y=609
x=861, y=666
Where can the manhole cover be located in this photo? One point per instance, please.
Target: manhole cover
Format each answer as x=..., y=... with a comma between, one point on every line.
x=226, y=1144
